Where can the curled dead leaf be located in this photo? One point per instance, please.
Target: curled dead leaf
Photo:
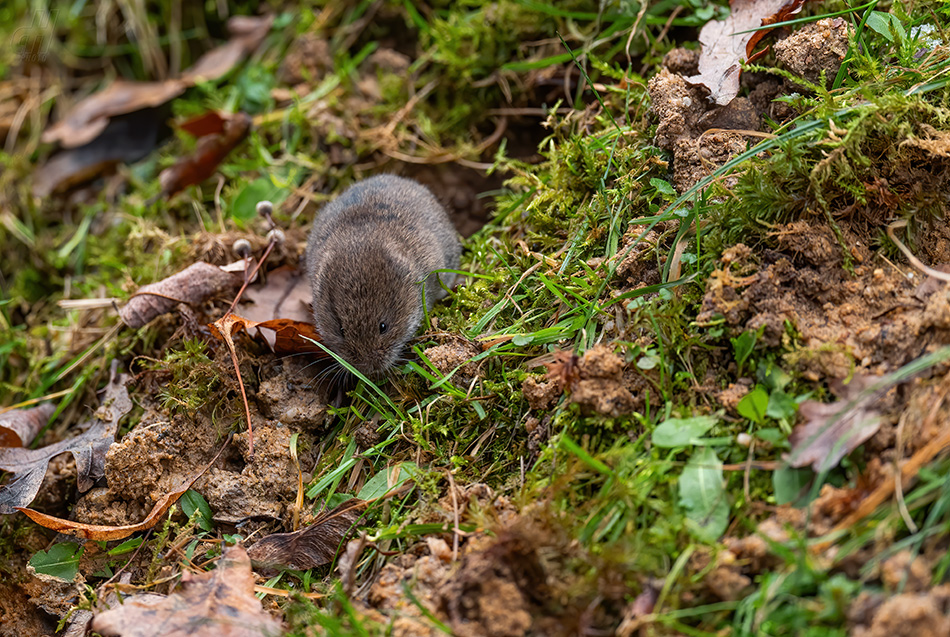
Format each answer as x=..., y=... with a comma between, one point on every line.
x=90, y=116
x=18, y=427
x=101, y=532
x=211, y=151
x=247, y=33
x=193, y=285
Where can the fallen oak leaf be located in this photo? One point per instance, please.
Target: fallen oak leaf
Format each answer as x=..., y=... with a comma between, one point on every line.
x=211, y=151
x=20, y=426
x=100, y=532
x=193, y=285
x=830, y=431
x=313, y=546
x=724, y=48
x=88, y=448
x=217, y=603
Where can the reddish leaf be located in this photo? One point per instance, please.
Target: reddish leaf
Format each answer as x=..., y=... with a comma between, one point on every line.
x=193, y=285
x=723, y=51
x=217, y=603
x=209, y=154
x=209, y=123
x=18, y=427
x=88, y=448
x=294, y=337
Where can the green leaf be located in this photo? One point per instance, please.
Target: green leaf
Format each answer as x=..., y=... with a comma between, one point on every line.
x=379, y=484
x=887, y=25
x=193, y=501
x=61, y=561
x=742, y=346
x=702, y=495
x=126, y=547
x=682, y=432
x=754, y=405
x=663, y=187
x=521, y=340
x=781, y=406
x=789, y=484
x=244, y=206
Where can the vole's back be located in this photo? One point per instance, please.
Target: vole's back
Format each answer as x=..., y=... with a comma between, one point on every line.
x=388, y=211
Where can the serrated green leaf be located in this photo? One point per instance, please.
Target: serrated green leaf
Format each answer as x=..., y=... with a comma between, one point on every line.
x=702, y=495
x=61, y=561
x=682, y=432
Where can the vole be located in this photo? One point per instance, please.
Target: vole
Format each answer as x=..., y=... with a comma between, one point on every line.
x=370, y=258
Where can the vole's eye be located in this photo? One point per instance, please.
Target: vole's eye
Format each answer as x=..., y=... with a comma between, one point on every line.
x=383, y=327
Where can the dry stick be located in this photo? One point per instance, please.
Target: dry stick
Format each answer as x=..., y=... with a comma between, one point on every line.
x=233, y=352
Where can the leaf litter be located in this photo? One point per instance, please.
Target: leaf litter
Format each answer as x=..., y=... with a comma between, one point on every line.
x=89, y=448
x=216, y=603
x=725, y=48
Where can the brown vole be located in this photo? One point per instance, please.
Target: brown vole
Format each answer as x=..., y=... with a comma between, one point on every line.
x=370, y=257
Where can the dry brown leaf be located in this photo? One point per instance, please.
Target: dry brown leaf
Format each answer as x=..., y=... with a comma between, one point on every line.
x=294, y=337
x=87, y=119
x=193, y=285
x=720, y=62
x=88, y=448
x=126, y=139
x=217, y=603
x=20, y=426
x=830, y=431
x=210, y=152
x=247, y=33
x=102, y=533
x=312, y=546
x=225, y=328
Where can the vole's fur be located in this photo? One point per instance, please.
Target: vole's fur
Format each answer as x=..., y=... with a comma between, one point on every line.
x=370, y=256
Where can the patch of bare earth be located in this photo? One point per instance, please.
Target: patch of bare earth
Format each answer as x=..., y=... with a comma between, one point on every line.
x=703, y=136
